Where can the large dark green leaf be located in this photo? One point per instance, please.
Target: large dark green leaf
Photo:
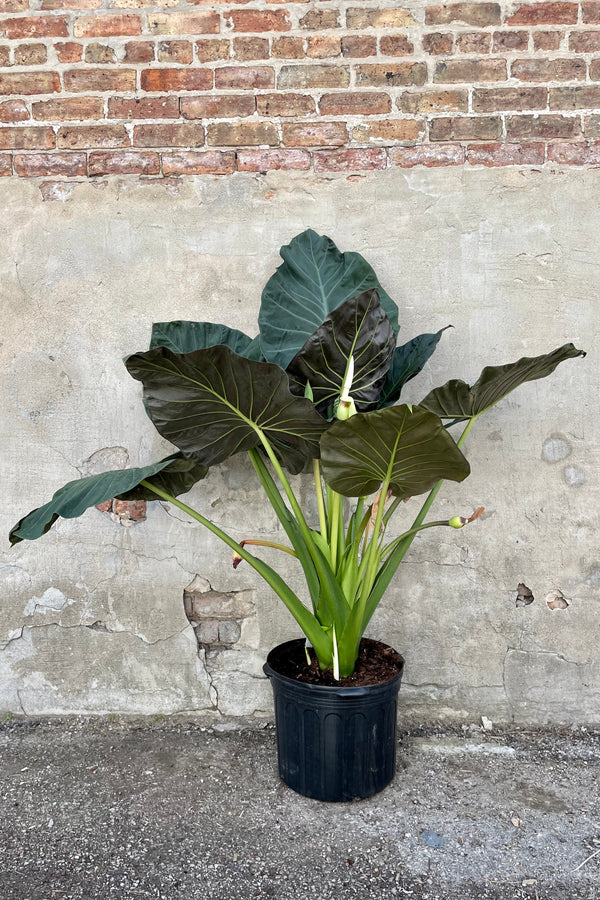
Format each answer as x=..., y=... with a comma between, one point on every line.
x=213, y=403
x=407, y=361
x=359, y=328
x=410, y=445
x=456, y=400
x=185, y=337
x=173, y=474
x=314, y=279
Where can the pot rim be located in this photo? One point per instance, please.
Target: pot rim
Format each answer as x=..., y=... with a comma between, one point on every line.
x=350, y=690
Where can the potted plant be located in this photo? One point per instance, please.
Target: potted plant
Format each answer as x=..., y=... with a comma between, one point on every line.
x=316, y=392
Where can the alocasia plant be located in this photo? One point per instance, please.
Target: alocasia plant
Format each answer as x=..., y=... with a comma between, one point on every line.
x=317, y=390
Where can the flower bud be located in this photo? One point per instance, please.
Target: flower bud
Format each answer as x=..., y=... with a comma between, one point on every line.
x=345, y=409
x=457, y=521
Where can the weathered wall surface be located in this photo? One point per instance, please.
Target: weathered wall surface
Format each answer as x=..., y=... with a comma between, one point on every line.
x=92, y=615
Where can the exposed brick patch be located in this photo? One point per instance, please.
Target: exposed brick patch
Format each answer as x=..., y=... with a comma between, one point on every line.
x=188, y=135
x=228, y=106
x=246, y=134
x=211, y=162
x=123, y=163
x=26, y=138
x=491, y=99
x=542, y=127
x=45, y=164
x=392, y=131
x=284, y=105
x=356, y=103
x=434, y=101
x=541, y=13
x=142, y=108
x=267, y=160
x=315, y=134
x=492, y=155
x=13, y=111
x=549, y=69
x=430, y=155
x=350, y=160
x=575, y=154
x=480, y=14
x=82, y=137
x=469, y=128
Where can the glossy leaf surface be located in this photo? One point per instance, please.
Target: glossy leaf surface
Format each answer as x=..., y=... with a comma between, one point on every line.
x=456, y=400
x=314, y=279
x=412, y=448
x=359, y=328
x=213, y=403
x=185, y=337
x=173, y=474
x=407, y=361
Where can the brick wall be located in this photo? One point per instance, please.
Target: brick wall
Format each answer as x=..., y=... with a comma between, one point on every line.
x=94, y=87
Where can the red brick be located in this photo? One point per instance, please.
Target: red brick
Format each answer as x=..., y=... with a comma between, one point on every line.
x=438, y=44
x=392, y=131
x=254, y=20
x=497, y=99
x=77, y=108
x=467, y=128
x=34, y=26
x=211, y=162
x=430, y=155
x=584, y=41
x=180, y=52
x=26, y=138
x=395, y=45
x=542, y=127
x=287, y=48
x=71, y=4
x=320, y=19
x=6, y=159
x=139, y=52
x=29, y=83
x=212, y=50
x=358, y=18
x=473, y=42
x=285, y=105
x=79, y=80
x=13, y=6
x=98, y=25
x=177, y=80
x=122, y=162
x=583, y=96
x=69, y=52
x=313, y=77
x=35, y=165
x=391, y=75
x=31, y=55
x=99, y=53
x=189, y=134
x=242, y=134
x=184, y=23
x=132, y=509
x=230, y=106
x=595, y=70
x=248, y=78
x=266, y=160
x=354, y=103
x=591, y=13
x=85, y=137
x=591, y=126
x=540, y=13
x=505, y=154
x=314, y=134
x=249, y=48
x=434, y=101
x=480, y=14
x=4, y=57
x=575, y=154
x=359, y=160
x=323, y=47
x=13, y=111
x=144, y=108
x=510, y=40
x=455, y=71
x=548, y=69
x=546, y=40
x=359, y=47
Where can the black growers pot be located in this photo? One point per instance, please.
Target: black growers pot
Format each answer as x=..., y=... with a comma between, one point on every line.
x=334, y=743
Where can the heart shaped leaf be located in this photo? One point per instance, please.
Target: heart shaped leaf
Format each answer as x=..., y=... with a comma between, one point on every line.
x=456, y=400
x=408, y=445
x=407, y=361
x=175, y=475
x=213, y=403
x=314, y=279
x=185, y=337
x=359, y=328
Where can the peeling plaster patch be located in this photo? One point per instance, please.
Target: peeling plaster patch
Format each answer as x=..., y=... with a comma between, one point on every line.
x=556, y=600
x=104, y=460
x=555, y=448
x=574, y=476
x=51, y=599
x=57, y=190
x=524, y=595
x=13, y=635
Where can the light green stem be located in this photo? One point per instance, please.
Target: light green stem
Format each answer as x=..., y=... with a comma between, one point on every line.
x=320, y=499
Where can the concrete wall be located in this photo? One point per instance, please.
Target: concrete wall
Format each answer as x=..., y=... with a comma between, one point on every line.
x=92, y=616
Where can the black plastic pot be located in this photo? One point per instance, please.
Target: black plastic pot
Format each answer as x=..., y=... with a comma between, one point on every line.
x=333, y=743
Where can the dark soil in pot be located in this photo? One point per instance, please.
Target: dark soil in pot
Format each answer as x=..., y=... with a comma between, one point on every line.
x=376, y=663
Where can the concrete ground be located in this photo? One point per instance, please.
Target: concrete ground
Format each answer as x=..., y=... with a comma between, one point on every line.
x=106, y=808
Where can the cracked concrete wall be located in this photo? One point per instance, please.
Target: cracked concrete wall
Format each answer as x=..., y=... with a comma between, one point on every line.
x=92, y=616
